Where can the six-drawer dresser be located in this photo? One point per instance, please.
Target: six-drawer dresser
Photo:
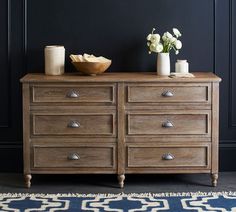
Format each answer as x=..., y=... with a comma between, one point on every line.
x=120, y=123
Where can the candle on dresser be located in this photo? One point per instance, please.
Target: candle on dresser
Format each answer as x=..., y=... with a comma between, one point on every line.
x=182, y=66
x=54, y=60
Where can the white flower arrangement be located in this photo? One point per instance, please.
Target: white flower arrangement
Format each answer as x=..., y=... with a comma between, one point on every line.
x=164, y=44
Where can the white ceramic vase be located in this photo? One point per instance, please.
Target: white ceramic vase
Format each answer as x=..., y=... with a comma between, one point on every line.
x=163, y=64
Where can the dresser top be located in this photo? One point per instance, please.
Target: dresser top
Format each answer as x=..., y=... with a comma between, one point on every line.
x=119, y=77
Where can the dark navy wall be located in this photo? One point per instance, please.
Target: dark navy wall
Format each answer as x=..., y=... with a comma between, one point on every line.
x=117, y=30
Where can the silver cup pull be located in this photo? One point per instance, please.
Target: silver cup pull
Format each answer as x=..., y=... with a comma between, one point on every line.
x=167, y=124
x=73, y=124
x=168, y=156
x=167, y=94
x=72, y=94
x=73, y=156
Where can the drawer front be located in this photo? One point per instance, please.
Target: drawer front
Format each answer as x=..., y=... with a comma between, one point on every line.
x=146, y=93
x=73, y=93
x=169, y=123
x=73, y=156
x=168, y=156
x=86, y=124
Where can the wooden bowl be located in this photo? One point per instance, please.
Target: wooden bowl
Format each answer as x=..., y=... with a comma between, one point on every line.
x=92, y=68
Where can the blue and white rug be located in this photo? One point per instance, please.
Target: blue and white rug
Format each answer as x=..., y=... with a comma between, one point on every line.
x=177, y=202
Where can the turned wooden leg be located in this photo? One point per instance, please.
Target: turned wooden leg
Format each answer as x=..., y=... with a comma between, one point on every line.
x=214, y=178
x=28, y=178
x=121, y=179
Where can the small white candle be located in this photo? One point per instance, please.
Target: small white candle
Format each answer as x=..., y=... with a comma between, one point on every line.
x=182, y=66
x=54, y=60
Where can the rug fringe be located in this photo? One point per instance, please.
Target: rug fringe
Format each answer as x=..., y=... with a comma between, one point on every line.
x=109, y=195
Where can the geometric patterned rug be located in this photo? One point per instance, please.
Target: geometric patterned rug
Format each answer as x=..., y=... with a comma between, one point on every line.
x=177, y=202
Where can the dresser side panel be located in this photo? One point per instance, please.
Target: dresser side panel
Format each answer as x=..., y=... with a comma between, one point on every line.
x=215, y=127
x=121, y=128
x=26, y=126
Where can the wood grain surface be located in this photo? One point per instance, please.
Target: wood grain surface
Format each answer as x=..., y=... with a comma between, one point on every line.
x=124, y=123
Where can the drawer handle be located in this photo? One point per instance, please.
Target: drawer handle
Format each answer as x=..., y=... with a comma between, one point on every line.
x=72, y=94
x=73, y=156
x=167, y=124
x=73, y=124
x=168, y=156
x=167, y=94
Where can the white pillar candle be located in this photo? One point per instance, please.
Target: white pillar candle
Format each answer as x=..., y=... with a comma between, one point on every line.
x=182, y=66
x=54, y=60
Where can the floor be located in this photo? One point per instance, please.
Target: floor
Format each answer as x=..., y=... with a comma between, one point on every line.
x=14, y=183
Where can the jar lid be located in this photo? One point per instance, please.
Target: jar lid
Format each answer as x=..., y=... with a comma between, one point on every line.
x=54, y=47
x=182, y=61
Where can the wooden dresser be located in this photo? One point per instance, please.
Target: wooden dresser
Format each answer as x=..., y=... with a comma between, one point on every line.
x=120, y=123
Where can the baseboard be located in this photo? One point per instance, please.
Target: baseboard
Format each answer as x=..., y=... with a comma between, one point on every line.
x=11, y=157
x=227, y=155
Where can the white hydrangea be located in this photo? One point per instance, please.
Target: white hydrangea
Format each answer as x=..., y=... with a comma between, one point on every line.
x=164, y=44
x=149, y=37
x=176, y=32
x=178, y=44
x=173, y=40
x=167, y=36
x=155, y=38
x=159, y=48
x=152, y=47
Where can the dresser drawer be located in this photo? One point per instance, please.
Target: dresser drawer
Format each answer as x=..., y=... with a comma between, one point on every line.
x=189, y=93
x=169, y=123
x=73, y=156
x=63, y=93
x=80, y=124
x=168, y=156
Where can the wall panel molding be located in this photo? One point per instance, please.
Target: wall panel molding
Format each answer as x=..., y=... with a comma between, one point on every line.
x=227, y=143
x=232, y=122
x=8, y=68
x=214, y=39
x=7, y=143
x=25, y=33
